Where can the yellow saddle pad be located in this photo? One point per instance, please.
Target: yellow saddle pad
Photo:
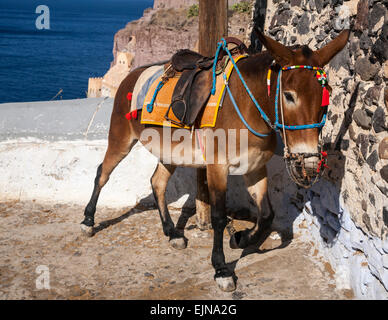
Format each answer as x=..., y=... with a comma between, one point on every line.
x=163, y=100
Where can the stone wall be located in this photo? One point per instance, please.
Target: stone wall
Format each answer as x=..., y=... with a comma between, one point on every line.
x=94, y=87
x=347, y=212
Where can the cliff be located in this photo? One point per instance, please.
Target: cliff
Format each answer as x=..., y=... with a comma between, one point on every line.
x=165, y=29
x=160, y=33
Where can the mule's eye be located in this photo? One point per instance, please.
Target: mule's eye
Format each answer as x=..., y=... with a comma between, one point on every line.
x=289, y=97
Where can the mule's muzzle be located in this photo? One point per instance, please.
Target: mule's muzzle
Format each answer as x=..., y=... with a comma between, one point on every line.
x=304, y=168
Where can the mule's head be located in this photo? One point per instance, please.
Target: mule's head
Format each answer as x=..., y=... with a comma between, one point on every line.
x=301, y=97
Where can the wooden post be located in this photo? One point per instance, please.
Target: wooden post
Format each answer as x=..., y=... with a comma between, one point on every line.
x=213, y=25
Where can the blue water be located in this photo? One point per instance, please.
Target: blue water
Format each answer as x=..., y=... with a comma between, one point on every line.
x=36, y=64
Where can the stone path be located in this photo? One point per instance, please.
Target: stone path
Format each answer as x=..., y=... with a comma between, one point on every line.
x=129, y=258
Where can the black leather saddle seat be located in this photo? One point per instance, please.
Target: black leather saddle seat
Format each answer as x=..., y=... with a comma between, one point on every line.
x=193, y=88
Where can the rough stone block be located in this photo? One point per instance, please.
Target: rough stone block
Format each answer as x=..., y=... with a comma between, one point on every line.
x=304, y=24
x=378, y=120
x=384, y=173
x=342, y=59
x=372, y=160
x=366, y=69
x=372, y=95
x=362, y=119
x=281, y=19
x=363, y=143
x=362, y=22
x=365, y=41
x=376, y=15
x=385, y=215
x=296, y=3
x=383, y=148
x=380, y=47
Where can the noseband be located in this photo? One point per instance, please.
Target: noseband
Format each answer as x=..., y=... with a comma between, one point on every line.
x=291, y=159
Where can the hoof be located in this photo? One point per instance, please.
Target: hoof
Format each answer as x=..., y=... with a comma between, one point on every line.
x=87, y=231
x=226, y=284
x=178, y=243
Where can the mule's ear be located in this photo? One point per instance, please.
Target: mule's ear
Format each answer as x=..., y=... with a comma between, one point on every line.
x=281, y=53
x=326, y=53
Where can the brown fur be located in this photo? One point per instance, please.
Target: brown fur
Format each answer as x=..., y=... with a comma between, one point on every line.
x=124, y=134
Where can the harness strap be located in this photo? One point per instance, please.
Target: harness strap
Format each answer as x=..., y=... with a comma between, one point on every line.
x=258, y=134
x=321, y=76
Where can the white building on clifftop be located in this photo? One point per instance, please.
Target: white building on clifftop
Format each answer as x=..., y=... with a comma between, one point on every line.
x=107, y=86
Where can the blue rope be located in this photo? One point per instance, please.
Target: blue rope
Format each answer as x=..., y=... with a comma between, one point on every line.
x=150, y=106
x=263, y=115
x=276, y=125
x=258, y=134
x=219, y=47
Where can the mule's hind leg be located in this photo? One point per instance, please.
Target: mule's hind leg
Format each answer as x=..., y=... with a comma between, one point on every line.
x=217, y=177
x=159, y=183
x=115, y=153
x=257, y=186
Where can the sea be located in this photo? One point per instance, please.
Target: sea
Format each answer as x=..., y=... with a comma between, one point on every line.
x=37, y=64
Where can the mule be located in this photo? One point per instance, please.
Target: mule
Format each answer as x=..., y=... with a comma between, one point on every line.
x=300, y=97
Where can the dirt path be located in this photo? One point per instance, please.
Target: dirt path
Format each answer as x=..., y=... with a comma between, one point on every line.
x=129, y=258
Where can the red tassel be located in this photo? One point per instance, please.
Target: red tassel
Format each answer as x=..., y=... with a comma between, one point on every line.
x=134, y=114
x=325, y=97
x=129, y=96
x=128, y=116
x=319, y=166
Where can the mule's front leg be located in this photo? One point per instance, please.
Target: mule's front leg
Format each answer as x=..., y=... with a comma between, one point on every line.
x=217, y=181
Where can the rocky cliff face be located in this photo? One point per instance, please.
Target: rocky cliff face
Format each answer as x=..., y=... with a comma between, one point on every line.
x=161, y=32
x=348, y=210
x=164, y=4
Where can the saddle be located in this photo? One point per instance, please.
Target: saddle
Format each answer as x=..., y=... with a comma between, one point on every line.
x=194, y=86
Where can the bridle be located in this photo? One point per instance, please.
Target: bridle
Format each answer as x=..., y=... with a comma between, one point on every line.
x=291, y=159
x=298, y=159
